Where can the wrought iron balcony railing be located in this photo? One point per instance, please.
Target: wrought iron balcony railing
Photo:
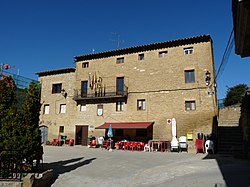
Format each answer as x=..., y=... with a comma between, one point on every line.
x=101, y=93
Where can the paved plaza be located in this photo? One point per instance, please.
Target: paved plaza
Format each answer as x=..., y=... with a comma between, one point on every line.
x=79, y=166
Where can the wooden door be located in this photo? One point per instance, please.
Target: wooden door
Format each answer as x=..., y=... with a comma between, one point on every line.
x=81, y=135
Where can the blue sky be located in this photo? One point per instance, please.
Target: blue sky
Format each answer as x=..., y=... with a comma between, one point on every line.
x=40, y=35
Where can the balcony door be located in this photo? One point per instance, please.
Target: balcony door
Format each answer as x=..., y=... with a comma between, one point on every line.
x=119, y=85
x=84, y=88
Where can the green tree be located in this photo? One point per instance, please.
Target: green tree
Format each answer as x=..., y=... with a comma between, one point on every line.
x=30, y=112
x=7, y=101
x=19, y=127
x=12, y=130
x=234, y=94
x=7, y=94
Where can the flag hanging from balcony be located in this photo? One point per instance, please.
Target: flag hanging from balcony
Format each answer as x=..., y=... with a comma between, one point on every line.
x=90, y=81
x=93, y=81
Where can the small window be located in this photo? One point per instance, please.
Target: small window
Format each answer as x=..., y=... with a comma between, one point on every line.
x=62, y=108
x=141, y=56
x=188, y=51
x=118, y=132
x=85, y=64
x=61, y=129
x=163, y=54
x=56, y=88
x=141, y=132
x=189, y=76
x=120, y=60
x=190, y=105
x=120, y=106
x=99, y=110
x=83, y=108
x=141, y=104
x=46, y=109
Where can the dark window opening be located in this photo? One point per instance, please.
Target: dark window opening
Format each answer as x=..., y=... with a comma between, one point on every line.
x=141, y=56
x=189, y=76
x=190, y=105
x=120, y=60
x=61, y=129
x=56, y=88
x=85, y=64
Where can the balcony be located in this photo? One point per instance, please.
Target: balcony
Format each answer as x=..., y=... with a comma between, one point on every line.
x=107, y=94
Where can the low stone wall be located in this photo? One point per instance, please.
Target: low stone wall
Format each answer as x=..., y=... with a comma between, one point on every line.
x=229, y=116
x=31, y=180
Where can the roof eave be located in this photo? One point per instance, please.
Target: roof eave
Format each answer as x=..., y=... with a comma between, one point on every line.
x=136, y=49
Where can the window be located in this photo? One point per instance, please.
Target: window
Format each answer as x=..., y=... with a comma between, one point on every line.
x=118, y=132
x=189, y=76
x=85, y=64
x=163, y=54
x=62, y=108
x=189, y=50
x=46, y=109
x=99, y=110
x=141, y=56
x=190, y=105
x=61, y=129
x=120, y=60
x=141, y=104
x=83, y=108
x=56, y=88
x=120, y=106
x=141, y=132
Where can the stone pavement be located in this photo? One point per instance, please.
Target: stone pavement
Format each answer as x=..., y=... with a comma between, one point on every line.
x=79, y=166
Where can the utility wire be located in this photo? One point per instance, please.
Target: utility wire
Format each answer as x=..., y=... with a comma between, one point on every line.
x=226, y=54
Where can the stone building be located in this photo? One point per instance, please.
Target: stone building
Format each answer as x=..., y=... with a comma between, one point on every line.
x=138, y=90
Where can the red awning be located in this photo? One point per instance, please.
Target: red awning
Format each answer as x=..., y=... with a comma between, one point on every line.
x=126, y=125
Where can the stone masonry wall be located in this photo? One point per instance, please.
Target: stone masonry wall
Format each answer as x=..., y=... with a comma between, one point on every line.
x=160, y=81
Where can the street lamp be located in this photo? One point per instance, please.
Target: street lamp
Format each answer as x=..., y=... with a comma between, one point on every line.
x=64, y=93
x=208, y=78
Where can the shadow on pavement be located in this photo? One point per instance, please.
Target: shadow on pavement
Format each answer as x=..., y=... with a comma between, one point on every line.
x=65, y=166
x=235, y=172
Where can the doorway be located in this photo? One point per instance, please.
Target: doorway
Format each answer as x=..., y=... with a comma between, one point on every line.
x=81, y=135
x=44, y=133
x=120, y=85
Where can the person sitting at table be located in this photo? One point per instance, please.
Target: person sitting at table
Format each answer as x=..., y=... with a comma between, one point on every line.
x=92, y=142
x=100, y=141
x=147, y=147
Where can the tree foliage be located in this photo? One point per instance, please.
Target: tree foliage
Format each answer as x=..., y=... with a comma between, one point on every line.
x=7, y=94
x=234, y=94
x=7, y=99
x=19, y=127
x=30, y=112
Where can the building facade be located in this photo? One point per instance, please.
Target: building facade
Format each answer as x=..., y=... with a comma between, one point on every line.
x=137, y=90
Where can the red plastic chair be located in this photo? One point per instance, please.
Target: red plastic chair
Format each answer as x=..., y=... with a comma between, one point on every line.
x=71, y=142
x=140, y=146
x=121, y=144
x=55, y=141
x=126, y=145
x=133, y=146
x=105, y=144
x=93, y=143
x=199, y=144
